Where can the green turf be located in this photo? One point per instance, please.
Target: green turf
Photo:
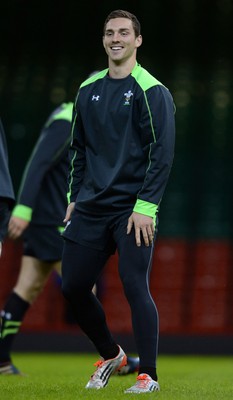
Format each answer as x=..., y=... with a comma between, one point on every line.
x=63, y=377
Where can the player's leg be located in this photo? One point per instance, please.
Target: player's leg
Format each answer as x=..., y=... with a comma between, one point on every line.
x=58, y=270
x=81, y=266
x=32, y=277
x=134, y=270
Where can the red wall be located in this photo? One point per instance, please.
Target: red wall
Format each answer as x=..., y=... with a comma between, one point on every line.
x=192, y=284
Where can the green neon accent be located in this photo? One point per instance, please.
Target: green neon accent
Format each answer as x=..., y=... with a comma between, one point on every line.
x=60, y=229
x=10, y=328
x=72, y=161
x=146, y=208
x=23, y=212
x=94, y=78
x=144, y=78
x=150, y=116
x=9, y=331
x=71, y=180
x=65, y=114
x=12, y=323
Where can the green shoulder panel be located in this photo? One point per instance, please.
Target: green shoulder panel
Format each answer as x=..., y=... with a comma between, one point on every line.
x=144, y=78
x=95, y=77
x=64, y=113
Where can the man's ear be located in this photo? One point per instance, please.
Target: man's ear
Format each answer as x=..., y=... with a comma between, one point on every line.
x=139, y=41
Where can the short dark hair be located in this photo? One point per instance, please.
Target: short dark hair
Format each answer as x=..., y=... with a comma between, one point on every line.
x=124, y=14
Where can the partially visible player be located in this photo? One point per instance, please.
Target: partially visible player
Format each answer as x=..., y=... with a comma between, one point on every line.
x=6, y=187
x=38, y=216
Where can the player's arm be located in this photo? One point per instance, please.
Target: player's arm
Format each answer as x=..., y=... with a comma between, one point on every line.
x=5, y=208
x=77, y=156
x=161, y=125
x=50, y=147
x=158, y=114
x=7, y=199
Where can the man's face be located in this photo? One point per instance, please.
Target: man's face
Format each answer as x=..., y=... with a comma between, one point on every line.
x=119, y=39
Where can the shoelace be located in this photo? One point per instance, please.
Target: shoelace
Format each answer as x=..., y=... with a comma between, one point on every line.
x=98, y=363
x=142, y=381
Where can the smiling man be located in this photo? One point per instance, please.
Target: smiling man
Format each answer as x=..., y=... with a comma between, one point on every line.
x=121, y=153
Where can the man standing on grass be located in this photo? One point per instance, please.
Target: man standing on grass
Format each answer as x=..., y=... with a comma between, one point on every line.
x=121, y=154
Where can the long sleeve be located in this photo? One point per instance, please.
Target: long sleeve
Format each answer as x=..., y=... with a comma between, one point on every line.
x=49, y=148
x=6, y=187
x=158, y=120
x=77, y=157
x=123, y=143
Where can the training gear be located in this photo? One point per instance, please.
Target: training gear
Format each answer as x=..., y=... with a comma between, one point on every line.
x=144, y=384
x=105, y=368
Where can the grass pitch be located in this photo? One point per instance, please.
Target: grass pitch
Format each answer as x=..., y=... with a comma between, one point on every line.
x=64, y=376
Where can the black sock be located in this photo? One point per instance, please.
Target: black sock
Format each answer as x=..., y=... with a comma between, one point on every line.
x=149, y=371
x=11, y=319
x=108, y=351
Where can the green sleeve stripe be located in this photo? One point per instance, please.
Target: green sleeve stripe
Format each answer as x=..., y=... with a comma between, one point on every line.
x=23, y=212
x=72, y=161
x=150, y=116
x=71, y=178
x=146, y=208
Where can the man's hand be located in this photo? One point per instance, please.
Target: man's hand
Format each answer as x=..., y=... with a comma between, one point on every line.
x=143, y=225
x=69, y=211
x=16, y=227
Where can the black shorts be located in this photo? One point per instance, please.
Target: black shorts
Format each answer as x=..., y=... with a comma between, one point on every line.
x=96, y=231
x=43, y=242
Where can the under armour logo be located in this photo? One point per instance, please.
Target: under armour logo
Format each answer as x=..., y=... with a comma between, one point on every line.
x=96, y=98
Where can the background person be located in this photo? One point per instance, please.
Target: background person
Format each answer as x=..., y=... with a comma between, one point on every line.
x=6, y=188
x=37, y=215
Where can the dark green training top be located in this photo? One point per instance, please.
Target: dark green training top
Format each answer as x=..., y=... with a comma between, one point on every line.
x=122, y=149
x=42, y=194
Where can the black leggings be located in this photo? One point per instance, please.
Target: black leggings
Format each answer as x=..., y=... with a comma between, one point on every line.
x=81, y=267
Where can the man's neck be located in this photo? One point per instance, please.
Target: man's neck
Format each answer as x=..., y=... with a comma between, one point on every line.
x=121, y=70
